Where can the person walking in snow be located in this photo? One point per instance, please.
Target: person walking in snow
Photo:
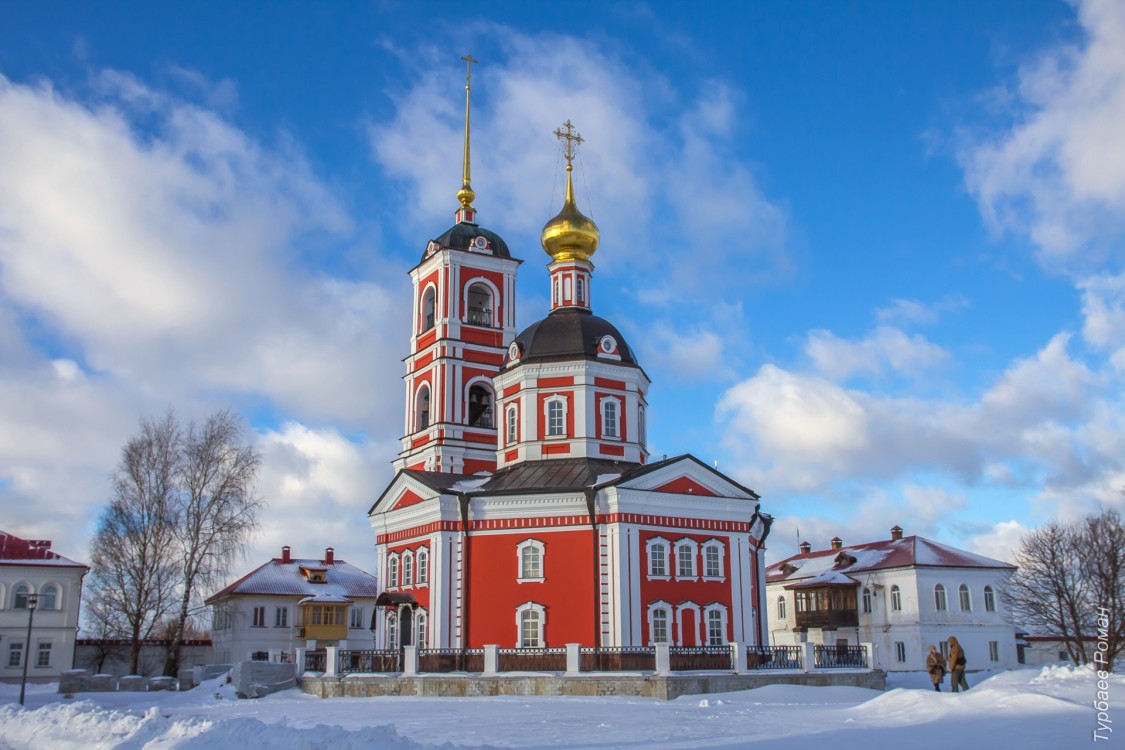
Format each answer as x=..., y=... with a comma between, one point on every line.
x=956, y=665
x=935, y=665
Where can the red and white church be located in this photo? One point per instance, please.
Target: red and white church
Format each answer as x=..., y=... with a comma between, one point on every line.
x=524, y=511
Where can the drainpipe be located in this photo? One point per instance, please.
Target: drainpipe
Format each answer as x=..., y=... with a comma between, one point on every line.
x=766, y=521
x=591, y=508
x=463, y=503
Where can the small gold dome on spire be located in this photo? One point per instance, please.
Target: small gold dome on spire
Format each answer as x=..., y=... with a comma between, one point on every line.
x=570, y=235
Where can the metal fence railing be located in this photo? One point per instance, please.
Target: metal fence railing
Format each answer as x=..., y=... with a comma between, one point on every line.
x=531, y=660
x=840, y=657
x=368, y=660
x=451, y=660
x=617, y=659
x=773, y=657
x=316, y=661
x=689, y=658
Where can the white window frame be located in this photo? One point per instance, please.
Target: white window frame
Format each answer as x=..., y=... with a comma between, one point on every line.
x=782, y=607
x=896, y=598
x=693, y=554
x=667, y=548
x=511, y=420
x=42, y=663
x=15, y=653
x=422, y=562
x=484, y=384
x=547, y=403
x=391, y=629
x=419, y=423
x=281, y=617
x=989, y=599
x=45, y=596
x=355, y=617
x=965, y=598
x=666, y=609
x=259, y=616
x=539, y=637
x=617, y=417
x=408, y=569
x=421, y=628
x=493, y=301
x=21, y=590
x=868, y=600
x=428, y=290
x=900, y=651
x=715, y=544
x=994, y=650
x=392, y=570
x=941, y=601
x=721, y=611
x=525, y=547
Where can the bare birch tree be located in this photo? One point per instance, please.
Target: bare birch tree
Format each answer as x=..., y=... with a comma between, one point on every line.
x=1103, y=567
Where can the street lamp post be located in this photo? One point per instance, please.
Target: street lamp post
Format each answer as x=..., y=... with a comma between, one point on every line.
x=32, y=603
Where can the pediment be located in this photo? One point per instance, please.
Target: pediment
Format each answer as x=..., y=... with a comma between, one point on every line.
x=687, y=475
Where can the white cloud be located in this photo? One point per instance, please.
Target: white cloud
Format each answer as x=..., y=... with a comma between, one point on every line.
x=915, y=312
x=884, y=349
x=1058, y=172
x=690, y=354
x=1000, y=542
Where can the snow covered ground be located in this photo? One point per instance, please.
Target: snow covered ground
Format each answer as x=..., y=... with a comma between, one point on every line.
x=1026, y=709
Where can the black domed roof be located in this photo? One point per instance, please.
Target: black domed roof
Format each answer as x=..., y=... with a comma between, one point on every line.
x=570, y=333
x=463, y=235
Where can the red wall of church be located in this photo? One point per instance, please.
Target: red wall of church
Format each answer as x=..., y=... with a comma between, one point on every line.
x=674, y=592
x=567, y=593
x=421, y=593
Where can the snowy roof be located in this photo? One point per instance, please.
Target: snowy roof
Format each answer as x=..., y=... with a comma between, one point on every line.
x=23, y=552
x=827, y=578
x=278, y=578
x=325, y=599
x=910, y=551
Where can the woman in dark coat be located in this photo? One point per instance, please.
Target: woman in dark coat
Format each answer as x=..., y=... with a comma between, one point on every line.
x=956, y=665
x=935, y=665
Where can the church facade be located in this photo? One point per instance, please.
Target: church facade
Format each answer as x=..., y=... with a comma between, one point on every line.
x=524, y=511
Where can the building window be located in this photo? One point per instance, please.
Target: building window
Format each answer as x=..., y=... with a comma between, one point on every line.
x=900, y=651
x=392, y=630
x=685, y=559
x=392, y=571
x=555, y=293
x=259, y=617
x=49, y=597
x=423, y=566
x=422, y=417
x=530, y=555
x=281, y=617
x=530, y=619
x=781, y=615
x=512, y=417
x=716, y=627
x=994, y=651
x=867, y=601
x=944, y=648
x=408, y=568
x=355, y=618
x=581, y=290
x=15, y=654
x=657, y=558
x=556, y=416
x=609, y=418
x=896, y=599
x=713, y=560
x=421, y=631
x=480, y=306
x=658, y=624
x=43, y=658
x=964, y=598
x=939, y=598
x=480, y=406
x=989, y=599
x=22, y=591
x=428, y=309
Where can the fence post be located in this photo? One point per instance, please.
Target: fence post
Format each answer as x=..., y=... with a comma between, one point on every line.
x=738, y=657
x=663, y=659
x=573, y=658
x=409, y=660
x=808, y=660
x=490, y=658
x=869, y=654
x=274, y=655
x=300, y=662
x=330, y=661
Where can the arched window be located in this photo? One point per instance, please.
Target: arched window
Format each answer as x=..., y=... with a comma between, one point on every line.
x=896, y=599
x=480, y=406
x=21, y=592
x=392, y=571
x=867, y=600
x=512, y=418
x=423, y=566
x=392, y=629
x=421, y=631
x=530, y=619
x=989, y=599
x=781, y=613
x=423, y=418
x=716, y=627
x=530, y=554
x=480, y=306
x=964, y=598
x=713, y=552
x=556, y=416
x=49, y=598
x=659, y=617
x=609, y=418
x=581, y=290
x=429, y=317
x=408, y=568
x=939, y=598
x=657, y=558
x=685, y=559
x=555, y=292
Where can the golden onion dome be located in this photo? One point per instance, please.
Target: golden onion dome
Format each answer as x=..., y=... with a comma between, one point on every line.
x=570, y=235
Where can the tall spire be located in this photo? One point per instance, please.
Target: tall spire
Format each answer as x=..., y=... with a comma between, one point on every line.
x=465, y=195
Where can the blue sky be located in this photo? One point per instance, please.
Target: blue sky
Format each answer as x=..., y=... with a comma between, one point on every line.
x=869, y=253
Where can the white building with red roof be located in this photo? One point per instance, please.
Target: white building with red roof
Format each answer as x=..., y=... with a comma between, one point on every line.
x=291, y=603
x=31, y=572
x=901, y=594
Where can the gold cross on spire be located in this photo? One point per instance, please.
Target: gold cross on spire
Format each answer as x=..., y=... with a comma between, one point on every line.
x=469, y=68
x=572, y=139
x=465, y=195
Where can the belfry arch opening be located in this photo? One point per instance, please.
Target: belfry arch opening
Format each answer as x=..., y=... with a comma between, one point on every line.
x=480, y=406
x=428, y=318
x=480, y=306
x=422, y=420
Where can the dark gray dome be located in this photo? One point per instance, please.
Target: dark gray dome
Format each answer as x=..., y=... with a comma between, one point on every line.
x=461, y=235
x=570, y=333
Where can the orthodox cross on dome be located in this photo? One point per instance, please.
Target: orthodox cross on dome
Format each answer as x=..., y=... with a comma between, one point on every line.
x=466, y=195
x=572, y=139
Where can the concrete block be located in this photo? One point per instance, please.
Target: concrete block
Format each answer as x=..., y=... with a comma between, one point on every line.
x=132, y=683
x=103, y=683
x=253, y=679
x=161, y=683
x=74, y=681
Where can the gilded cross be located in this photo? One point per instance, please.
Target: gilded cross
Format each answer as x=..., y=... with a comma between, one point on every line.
x=572, y=139
x=469, y=68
